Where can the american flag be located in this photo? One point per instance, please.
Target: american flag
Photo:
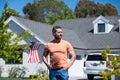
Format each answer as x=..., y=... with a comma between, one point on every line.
x=33, y=54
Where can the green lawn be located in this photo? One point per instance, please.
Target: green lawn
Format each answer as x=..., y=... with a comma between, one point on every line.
x=14, y=79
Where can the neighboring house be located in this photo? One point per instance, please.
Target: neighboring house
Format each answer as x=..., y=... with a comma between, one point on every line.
x=87, y=35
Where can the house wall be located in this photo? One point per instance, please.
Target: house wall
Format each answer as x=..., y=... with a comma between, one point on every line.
x=15, y=28
x=109, y=27
x=33, y=67
x=76, y=69
x=119, y=24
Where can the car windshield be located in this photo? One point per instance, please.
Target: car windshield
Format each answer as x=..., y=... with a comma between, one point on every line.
x=95, y=58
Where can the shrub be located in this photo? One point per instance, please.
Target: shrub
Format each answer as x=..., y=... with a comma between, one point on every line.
x=114, y=64
x=45, y=78
x=17, y=72
x=42, y=74
x=1, y=70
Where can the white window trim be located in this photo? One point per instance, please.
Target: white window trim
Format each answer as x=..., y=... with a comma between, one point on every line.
x=102, y=20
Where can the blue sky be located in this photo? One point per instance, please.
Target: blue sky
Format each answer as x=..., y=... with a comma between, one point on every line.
x=19, y=4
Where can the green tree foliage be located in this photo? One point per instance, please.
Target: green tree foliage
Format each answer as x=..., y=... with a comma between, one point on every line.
x=113, y=64
x=64, y=14
x=42, y=10
x=33, y=12
x=87, y=8
x=10, y=49
x=5, y=5
x=110, y=10
x=7, y=12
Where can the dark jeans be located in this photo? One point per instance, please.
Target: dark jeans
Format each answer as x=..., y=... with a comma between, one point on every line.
x=58, y=74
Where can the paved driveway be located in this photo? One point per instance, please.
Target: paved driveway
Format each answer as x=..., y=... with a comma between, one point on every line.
x=74, y=78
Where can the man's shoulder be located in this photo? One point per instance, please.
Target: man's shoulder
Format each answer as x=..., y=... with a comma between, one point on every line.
x=49, y=42
x=67, y=42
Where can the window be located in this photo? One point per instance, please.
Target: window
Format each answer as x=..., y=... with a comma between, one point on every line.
x=78, y=57
x=95, y=58
x=101, y=27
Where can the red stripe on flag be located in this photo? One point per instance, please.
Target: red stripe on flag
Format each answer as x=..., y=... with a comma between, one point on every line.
x=33, y=54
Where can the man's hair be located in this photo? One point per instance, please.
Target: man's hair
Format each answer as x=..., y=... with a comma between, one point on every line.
x=56, y=27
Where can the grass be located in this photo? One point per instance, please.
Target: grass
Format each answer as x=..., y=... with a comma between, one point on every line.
x=15, y=79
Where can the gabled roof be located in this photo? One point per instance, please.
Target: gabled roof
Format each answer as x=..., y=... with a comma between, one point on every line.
x=79, y=32
x=44, y=31
x=101, y=18
x=83, y=27
x=30, y=25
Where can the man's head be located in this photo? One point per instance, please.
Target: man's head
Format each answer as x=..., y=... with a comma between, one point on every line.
x=57, y=32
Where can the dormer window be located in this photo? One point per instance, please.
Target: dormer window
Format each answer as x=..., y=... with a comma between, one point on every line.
x=101, y=27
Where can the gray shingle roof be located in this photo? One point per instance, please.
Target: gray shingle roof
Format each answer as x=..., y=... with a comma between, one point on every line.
x=83, y=27
x=79, y=32
x=44, y=31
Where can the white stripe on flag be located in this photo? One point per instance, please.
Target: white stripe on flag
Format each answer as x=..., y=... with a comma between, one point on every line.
x=33, y=54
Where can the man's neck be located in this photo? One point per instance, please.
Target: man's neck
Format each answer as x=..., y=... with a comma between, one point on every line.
x=57, y=40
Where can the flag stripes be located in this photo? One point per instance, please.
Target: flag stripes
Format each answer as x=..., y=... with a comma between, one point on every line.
x=33, y=54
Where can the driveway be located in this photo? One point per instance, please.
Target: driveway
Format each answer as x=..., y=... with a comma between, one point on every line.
x=77, y=78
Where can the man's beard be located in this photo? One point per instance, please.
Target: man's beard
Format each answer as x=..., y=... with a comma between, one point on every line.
x=58, y=37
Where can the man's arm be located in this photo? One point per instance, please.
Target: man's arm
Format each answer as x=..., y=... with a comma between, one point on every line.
x=72, y=54
x=72, y=59
x=45, y=54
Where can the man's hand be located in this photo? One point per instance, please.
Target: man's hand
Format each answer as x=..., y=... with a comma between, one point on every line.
x=66, y=68
x=49, y=66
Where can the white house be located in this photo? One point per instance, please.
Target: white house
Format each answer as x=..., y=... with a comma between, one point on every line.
x=87, y=35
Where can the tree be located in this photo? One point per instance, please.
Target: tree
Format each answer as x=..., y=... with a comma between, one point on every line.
x=113, y=62
x=110, y=10
x=42, y=9
x=64, y=14
x=87, y=8
x=7, y=12
x=33, y=12
x=10, y=49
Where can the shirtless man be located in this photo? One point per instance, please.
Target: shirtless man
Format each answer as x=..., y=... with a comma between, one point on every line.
x=58, y=49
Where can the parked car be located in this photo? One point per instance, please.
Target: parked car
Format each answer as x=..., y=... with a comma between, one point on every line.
x=93, y=64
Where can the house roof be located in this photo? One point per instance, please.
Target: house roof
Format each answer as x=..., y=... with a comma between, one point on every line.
x=44, y=31
x=79, y=32
x=83, y=27
x=35, y=28
x=102, y=18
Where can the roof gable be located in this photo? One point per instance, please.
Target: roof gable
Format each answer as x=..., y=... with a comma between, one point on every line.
x=27, y=25
x=101, y=18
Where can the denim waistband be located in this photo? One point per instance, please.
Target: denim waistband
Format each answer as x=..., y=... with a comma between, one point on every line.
x=58, y=68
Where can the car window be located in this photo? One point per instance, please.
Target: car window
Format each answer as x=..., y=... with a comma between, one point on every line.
x=95, y=58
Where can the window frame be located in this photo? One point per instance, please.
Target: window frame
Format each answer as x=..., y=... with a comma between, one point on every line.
x=101, y=27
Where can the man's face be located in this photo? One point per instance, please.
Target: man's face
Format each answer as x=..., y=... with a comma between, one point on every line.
x=58, y=34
